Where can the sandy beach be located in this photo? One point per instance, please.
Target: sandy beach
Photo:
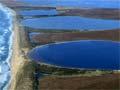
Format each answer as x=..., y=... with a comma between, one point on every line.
x=17, y=60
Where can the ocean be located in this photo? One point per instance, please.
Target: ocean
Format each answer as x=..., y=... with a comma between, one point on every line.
x=5, y=45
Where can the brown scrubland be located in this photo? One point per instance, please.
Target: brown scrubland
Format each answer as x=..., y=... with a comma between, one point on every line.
x=44, y=38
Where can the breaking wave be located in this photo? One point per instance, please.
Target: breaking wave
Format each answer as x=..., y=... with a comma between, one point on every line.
x=6, y=34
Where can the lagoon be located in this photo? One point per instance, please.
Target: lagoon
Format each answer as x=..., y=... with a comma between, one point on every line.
x=87, y=54
x=71, y=23
x=38, y=12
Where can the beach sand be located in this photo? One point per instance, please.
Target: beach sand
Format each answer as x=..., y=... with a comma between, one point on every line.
x=17, y=60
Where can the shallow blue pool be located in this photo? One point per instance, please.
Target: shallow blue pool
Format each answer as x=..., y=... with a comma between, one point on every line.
x=71, y=23
x=38, y=12
x=88, y=54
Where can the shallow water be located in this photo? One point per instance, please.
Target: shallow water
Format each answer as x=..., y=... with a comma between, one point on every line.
x=88, y=54
x=71, y=23
x=75, y=3
x=38, y=12
x=5, y=45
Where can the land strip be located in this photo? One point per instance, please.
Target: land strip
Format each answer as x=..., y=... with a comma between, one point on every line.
x=19, y=60
x=103, y=82
x=93, y=13
x=46, y=37
x=23, y=6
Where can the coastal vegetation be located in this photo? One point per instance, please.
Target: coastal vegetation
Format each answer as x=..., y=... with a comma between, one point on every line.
x=25, y=78
x=103, y=82
x=94, y=13
x=47, y=37
x=54, y=70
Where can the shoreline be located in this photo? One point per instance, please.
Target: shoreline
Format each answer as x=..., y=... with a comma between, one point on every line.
x=17, y=60
x=10, y=14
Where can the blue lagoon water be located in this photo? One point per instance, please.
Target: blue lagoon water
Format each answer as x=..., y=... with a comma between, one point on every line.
x=88, y=54
x=38, y=12
x=5, y=46
x=71, y=23
x=75, y=3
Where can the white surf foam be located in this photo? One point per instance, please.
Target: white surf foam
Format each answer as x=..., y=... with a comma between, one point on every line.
x=5, y=65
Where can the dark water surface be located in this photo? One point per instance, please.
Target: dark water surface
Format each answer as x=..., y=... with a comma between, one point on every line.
x=89, y=54
x=71, y=23
x=75, y=3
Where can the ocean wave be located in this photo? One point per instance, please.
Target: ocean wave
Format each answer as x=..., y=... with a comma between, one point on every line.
x=6, y=34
